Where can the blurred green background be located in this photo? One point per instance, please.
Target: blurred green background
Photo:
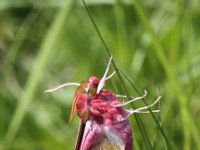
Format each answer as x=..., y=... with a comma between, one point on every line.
x=46, y=43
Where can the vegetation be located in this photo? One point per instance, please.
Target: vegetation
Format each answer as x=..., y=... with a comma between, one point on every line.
x=155, y=46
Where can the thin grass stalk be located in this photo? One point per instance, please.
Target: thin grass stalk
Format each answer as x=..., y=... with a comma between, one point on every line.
x=157, y=128
x=106, y=48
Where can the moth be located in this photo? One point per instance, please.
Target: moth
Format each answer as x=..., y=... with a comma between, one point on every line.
x=104, y=118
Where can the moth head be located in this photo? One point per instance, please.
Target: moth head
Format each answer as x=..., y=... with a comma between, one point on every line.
x=90, y=88
x=93, y=83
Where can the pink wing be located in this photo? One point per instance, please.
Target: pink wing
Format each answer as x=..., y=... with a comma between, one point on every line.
x=101, y=137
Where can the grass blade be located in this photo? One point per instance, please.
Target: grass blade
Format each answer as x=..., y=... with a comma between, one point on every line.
x=34, y=77
x=176, y=86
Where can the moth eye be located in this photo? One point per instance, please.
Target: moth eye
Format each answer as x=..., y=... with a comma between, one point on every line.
x=92, y=91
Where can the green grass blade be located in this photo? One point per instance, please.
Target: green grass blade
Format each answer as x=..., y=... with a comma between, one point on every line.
x=45, y=52
x=20, y=37
x=176, y=86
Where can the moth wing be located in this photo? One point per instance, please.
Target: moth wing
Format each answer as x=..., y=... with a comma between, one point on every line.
x=96, y=138
x=112, y=141
x=106, y=144
x=80, y=136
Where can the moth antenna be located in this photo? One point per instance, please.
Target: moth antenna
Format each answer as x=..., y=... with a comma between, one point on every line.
x=148, y=106
x=110, y=76
x=102, y=81
x=61, y=86
x=136, y=98
x=147, y=112
x=142, y=108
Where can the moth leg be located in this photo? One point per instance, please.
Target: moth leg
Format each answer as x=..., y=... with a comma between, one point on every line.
x=139, y=110
x=130, y=101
